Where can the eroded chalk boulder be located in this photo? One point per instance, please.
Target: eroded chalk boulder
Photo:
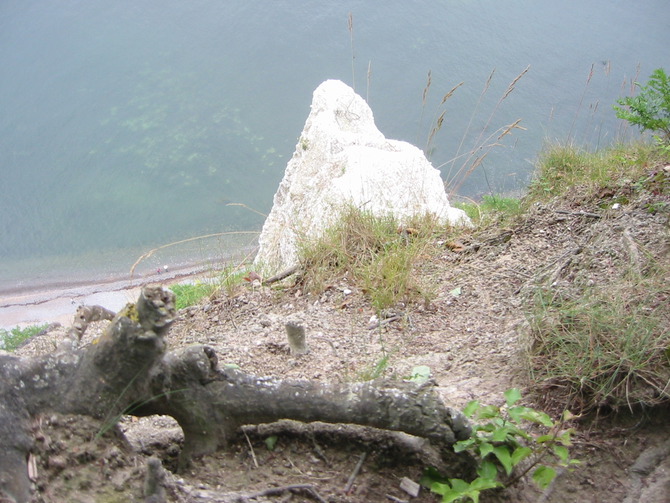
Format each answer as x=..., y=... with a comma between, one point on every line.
x=342, y=159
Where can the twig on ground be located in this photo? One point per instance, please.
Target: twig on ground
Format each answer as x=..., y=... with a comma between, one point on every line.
x=354, y=474
x=273, y=491
x=383, y=322
x=282, y=275
x=579, y=213
x=251, y=448
x=396, y=500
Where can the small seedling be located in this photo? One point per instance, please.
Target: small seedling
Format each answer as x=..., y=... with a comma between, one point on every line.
x=507, y=445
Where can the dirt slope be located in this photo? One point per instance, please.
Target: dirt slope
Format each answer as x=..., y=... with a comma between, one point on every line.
x=472, y=337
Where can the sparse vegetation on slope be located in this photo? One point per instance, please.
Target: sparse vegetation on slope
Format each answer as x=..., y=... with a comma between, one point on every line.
x=589, y=240
x=599, y=331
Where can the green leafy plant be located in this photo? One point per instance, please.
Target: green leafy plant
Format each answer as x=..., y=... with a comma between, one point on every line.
x=650, y=110
x=507, y=445
x=12, y=339
x=375, y=370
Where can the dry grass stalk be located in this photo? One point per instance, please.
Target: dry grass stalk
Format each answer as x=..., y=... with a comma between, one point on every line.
x=473, y=159
x=369, y=78
x=168, y=245
x=350, y=24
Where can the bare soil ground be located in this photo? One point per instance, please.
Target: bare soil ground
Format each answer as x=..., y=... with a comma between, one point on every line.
x=472, y=335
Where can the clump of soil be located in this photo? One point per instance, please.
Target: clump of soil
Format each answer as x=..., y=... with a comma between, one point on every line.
x=472, y=337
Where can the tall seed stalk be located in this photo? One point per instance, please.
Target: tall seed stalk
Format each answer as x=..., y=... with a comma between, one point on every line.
x=350, y=23
x=482, y=145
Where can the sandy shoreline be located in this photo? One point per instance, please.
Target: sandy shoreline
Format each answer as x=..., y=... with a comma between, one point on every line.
x=58, y=302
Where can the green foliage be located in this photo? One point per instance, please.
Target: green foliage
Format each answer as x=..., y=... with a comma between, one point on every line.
x=189, y=294
x=650, y=110
x=500, y=204
x=376, y=370
x=492, y=208
x=12, y=339
x=420, y=374
x=507, y=446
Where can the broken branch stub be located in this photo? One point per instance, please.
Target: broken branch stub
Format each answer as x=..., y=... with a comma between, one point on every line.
x=295, y=334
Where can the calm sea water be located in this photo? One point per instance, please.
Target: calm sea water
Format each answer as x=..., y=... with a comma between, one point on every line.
x=126, y=125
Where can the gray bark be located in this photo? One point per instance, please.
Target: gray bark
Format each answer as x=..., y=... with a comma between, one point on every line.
x=128, y=371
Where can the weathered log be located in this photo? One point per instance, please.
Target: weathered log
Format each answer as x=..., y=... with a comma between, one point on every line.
x=127, y=371
x=101, y=381
x=210, y=404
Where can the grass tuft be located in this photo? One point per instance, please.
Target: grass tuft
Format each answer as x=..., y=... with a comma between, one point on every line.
x=565, y=169
x=189, y=294
x=610, y=347
x=12, y=339
x=606, y=343
x=375, y=253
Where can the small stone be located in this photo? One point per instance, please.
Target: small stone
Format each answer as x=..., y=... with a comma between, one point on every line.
x=410, y=487
x=57, y=463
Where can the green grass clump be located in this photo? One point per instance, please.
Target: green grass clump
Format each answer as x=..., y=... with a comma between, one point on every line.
x=605, y=345
x=610, y=347
x=563, y=170
x=189, y=294
x=12, y=339
x=375, y=253
x=227, y=280
x=493, y=208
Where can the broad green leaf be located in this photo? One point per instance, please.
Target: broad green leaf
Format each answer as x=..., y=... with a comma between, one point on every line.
x=512, y=396
x=470, y=408
x=543, y=475
x=482, y=484
x=503, y=455
x=561, y=452
x=489, y=412
x=544, y=438
x=462, y=445
x=520, y=454
x=271, y=442
x=487, y=470
x=459, y=485
x=451, y=496
x=488, y=427
x=502, y=434
x=565, y=437
x=440, y=488
x=420, y=374
x=485, y=449
x=515, y=412
x=537, y=417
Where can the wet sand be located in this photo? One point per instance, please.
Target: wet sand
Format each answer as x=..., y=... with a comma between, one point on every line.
x=58, y=303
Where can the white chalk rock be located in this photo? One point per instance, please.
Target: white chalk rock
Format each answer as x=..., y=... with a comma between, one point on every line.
x=341, y=158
